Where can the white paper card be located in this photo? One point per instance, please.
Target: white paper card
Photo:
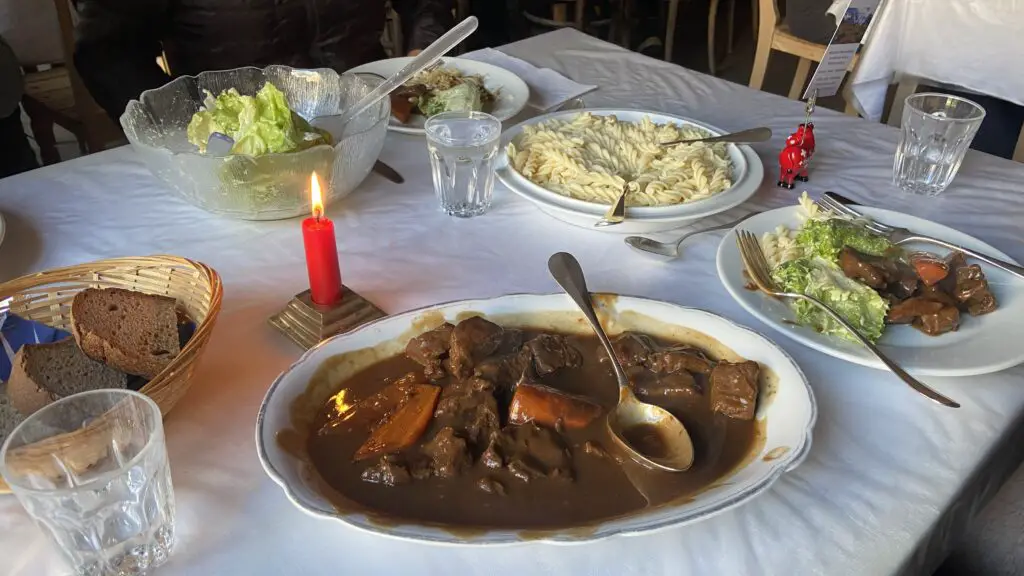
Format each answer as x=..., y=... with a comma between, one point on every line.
x=848, y=35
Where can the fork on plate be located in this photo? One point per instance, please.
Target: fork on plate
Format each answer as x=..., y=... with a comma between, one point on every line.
x=838, y=204
x=760, y=272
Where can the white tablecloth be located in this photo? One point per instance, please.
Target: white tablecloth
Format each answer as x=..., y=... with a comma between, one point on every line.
x=972, y=45
x=891, y=477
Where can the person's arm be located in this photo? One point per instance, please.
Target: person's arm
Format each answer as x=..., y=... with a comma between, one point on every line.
x=423, y=21
x=116, y=46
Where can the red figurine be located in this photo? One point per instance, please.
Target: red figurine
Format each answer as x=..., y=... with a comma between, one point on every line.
x=792, y=165
x=795, y=157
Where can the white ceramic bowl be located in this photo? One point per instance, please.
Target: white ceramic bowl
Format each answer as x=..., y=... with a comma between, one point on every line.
x=788, y=412
x=748, y=173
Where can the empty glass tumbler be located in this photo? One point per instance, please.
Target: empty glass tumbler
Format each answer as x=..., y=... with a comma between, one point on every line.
x=92, y=471
x=935, y=135
x=463, y=146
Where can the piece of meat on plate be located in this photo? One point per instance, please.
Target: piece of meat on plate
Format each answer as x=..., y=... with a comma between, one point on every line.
x=734, y=389
x=859, y=267
x=910, y=309
x=679, y=358
x=472, y=340
x=946, y=319
x=631, y=349
x=552, y=352
x=429, y=349
x=972, y=289
x=448, y=453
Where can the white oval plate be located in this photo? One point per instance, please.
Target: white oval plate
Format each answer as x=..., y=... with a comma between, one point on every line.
x=748, y=172
x=512, y=93
x=789, y=413
x=983, y=344
x=631, y=225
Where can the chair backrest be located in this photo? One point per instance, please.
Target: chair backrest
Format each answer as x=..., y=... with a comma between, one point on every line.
x=768, y=15
x=100, y=130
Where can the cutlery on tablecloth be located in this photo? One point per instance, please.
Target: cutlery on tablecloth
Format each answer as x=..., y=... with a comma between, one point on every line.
x=616, y=213
x=671, y=249
x=742, y=137
x=841, y=204
x=388, y=172
x=757, y=266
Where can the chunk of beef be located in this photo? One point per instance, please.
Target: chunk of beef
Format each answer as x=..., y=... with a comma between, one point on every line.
x=946, y=319
x=388, y=471
x=631, y=349
x=490, y=486
x=529, y=452
x=937, y=294
x=907, y=311
x=903, y=283
x=472, y=340
x=470, y=408
x=734, y=389
x=672, y=390
x=972, y=289
x=551, y=352
x=448, y=453
x=679, y=358
x=856, y=265
x=504, y=371
x=429, y=349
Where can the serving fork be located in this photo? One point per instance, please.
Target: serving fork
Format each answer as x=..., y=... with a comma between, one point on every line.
x=757, y=266
x=840, y=204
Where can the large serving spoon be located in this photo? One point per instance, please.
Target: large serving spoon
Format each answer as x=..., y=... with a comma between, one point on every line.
x=629, y=414
x=742, y=137
x=335, y=124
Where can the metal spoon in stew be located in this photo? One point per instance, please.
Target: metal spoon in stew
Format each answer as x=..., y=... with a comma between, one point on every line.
x=661, y=434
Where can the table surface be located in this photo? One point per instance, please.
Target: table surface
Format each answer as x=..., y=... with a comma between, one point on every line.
x=890, y=480
x=946, y=42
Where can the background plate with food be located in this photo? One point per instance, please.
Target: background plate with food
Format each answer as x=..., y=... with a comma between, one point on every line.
x=456, y=84
x=986, y=333
x=500, y=464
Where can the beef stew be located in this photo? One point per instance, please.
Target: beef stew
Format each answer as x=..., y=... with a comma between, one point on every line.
x=518, y=436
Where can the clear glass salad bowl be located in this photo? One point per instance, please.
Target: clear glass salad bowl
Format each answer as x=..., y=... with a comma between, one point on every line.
x=270, y=186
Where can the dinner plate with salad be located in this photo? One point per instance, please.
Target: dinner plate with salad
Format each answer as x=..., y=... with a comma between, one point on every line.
x=453, y=85
x=932, y=311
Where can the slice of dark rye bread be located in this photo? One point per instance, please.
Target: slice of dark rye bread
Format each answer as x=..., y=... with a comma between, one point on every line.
x=134, y=332
x=9, y=416
x=43, y=373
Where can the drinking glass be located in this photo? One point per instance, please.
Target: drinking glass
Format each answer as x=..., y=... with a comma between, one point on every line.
x=91, y=469
x=936, y=132
x=463, y=146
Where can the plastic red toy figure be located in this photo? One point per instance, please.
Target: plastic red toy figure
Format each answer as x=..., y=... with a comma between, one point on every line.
x=792, y=165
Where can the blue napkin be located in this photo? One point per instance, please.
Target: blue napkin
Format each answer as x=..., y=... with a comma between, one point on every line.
x=15, y=332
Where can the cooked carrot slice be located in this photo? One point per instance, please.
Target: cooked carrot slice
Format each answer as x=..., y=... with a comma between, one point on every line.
x=931, y=271
x=405, y=425
x=546, y=406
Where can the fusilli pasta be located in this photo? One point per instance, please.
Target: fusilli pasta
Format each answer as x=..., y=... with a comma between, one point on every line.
x=592, y=158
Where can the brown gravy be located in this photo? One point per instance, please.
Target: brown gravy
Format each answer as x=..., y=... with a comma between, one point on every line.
x=602, y=483
x=646, y=439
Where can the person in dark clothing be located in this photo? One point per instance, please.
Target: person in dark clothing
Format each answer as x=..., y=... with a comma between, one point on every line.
x=118, y=41
x=15, y=153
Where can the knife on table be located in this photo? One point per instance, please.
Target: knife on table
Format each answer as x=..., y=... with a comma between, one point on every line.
x=902, y=235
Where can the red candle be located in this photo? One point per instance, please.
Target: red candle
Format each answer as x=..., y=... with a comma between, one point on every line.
x=321, y=251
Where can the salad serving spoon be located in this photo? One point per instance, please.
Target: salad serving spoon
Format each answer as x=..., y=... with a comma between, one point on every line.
x=671, y=249
x=757, y=267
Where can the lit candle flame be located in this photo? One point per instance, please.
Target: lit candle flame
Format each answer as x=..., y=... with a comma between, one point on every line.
x=318, y=200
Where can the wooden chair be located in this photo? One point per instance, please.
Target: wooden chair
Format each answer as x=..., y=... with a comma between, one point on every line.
x=773, y=34
x=730, y=30
x=57, y=96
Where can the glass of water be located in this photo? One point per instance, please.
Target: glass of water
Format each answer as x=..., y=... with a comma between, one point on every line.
x=91, y=469
x=463, y=146
x=936, y=133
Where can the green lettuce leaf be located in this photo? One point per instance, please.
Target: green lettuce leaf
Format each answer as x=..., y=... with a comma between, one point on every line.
x=856, y=303
x=825, y=238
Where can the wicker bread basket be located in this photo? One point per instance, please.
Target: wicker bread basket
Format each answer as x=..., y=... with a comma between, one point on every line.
x=46, y=297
